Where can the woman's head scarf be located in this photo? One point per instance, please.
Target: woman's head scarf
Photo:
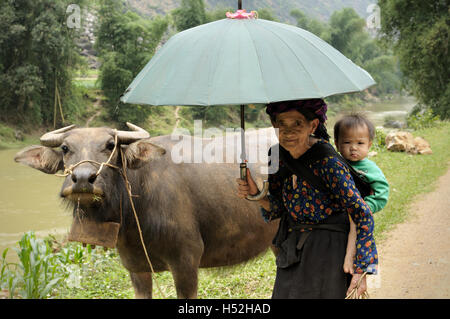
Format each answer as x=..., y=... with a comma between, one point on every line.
x=315, y=106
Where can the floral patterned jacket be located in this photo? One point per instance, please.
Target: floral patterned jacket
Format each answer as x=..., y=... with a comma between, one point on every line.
x=307, y=205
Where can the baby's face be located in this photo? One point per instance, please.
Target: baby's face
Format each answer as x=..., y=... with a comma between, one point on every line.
x=354, y=143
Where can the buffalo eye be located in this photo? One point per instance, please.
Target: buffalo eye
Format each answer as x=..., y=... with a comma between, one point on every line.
x=65, y=149
x=110, y=146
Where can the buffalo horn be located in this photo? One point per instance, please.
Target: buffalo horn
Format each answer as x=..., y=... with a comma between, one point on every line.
x=55, y=138
x=136, y=133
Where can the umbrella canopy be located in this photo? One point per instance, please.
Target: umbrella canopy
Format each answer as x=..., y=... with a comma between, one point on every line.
x=243, y=61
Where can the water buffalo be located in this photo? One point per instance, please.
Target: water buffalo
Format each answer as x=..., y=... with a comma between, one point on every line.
x=189, y=213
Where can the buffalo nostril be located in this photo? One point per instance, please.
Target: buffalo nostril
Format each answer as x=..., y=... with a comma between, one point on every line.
x=92, y=178
x=74, y=178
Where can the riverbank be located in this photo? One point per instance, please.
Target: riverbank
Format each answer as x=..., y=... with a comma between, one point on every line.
x=13, y=138
x=166, y=118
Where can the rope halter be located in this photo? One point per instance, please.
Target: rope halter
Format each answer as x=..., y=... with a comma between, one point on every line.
x=69, y=170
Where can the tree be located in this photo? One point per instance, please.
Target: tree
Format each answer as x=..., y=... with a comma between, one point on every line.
x=321, y=29
x=190, y=14
x=420, y=32
x=125, y=42
x=346, y=33
x=37, y=53
x=346, y=26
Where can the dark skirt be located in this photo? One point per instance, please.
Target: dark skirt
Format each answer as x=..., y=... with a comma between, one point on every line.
x=310, y=262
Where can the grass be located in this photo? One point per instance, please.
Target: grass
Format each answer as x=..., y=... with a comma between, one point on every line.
x=411, y=175
x=103, y=276
x=100, y=276
x=9, y=140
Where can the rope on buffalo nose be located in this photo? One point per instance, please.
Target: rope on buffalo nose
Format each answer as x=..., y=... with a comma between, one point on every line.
x=69, y=171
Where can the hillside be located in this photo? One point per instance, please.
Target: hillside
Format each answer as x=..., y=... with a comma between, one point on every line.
x=321, y=9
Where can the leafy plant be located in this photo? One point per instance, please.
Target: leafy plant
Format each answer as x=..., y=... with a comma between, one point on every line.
x=419, y=32
x=7, y=279
x=38, y=267
x=422, y=117
x=379, y=142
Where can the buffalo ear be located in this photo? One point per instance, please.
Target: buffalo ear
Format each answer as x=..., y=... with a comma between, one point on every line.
x=42, y=158
x=141, y=152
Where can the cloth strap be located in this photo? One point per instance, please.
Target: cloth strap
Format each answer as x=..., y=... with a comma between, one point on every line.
x=300, y=167
x=291, y=236
x=306, y=229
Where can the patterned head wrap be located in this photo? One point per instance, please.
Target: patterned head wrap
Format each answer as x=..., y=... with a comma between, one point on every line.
x=316, y=106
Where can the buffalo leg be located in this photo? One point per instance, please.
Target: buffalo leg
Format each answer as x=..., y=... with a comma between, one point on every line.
x=186, y=281
x=142, y=284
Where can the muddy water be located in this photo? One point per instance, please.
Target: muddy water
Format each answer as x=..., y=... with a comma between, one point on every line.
x=28, y=201
x=395, y=110
x=29, y=198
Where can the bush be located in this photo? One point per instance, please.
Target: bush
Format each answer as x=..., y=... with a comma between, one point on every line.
x=422, y=117
x=379, y=142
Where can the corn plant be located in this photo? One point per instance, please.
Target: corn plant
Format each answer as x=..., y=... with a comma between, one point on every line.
x=38, y=268
x=7, y=279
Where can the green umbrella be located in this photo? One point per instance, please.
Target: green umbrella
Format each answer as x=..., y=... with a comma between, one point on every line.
x=244, y=60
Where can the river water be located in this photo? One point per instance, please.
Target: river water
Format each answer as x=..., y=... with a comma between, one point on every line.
x=29, y=198
x=396, y=109
x=28, y=201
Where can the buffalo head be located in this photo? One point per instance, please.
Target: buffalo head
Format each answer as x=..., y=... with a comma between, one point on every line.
x=94, y=192
x=80, y=148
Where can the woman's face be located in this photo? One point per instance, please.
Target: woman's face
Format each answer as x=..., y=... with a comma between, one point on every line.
x=294, y=131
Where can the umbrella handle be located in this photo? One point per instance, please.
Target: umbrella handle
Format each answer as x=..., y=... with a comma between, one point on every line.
x=261, y=194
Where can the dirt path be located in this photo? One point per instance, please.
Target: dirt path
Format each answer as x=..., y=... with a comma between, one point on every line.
x=97, y=106
x=177, y=117
x=415, y=256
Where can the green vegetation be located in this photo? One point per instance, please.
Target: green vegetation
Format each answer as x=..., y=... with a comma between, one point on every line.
x=125, y=43
x=37, y=60
x=346, y=32
x=318, y=9
x=420, y=31
x=422, y=117
x=37, y=272
x=410, y=175
x=190, y=14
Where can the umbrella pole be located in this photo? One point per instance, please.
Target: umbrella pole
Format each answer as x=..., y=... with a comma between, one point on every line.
x=243, y=165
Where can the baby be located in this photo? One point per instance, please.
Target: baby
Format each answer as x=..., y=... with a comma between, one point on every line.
x=353, y=136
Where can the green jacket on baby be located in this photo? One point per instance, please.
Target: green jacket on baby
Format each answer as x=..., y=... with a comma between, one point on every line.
x=375, y=177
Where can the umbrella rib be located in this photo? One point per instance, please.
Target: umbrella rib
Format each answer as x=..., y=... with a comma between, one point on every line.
x=324, y=54
x=287, y=45
x=147, y=68
x=335, y=63
x=215, y=69
x=259, y=64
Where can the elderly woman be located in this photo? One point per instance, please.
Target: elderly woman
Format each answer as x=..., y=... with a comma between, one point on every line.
x=312, y=235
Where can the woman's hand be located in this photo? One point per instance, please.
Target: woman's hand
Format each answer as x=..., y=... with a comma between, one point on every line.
x=248, y=187
x=362, y=285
